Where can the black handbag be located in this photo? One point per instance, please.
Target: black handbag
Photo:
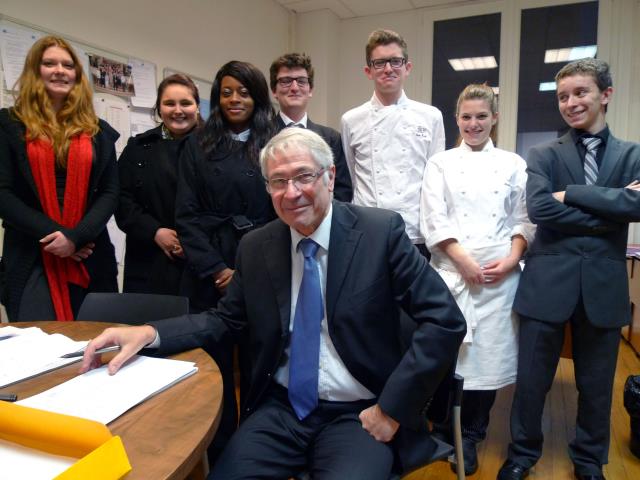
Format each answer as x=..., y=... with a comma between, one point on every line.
x=632, y=405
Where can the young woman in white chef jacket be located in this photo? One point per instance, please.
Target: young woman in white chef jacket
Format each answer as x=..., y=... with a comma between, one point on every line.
x=474, y=219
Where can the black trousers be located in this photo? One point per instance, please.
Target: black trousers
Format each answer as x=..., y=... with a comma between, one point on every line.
x=476, y=408
x=595, y=352
x=330, y=443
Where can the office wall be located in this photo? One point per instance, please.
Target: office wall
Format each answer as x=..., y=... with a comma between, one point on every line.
x=194, y=36
x=318, y=35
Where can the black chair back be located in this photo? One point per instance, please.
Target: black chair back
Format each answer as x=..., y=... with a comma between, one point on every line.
x=131, y=308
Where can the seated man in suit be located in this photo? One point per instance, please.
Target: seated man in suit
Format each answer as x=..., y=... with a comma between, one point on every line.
x=291, y=79
x=318, y=293
x=582, y=192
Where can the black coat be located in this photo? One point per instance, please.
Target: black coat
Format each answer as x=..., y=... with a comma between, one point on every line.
x=148, y=170
x=25, y=223
x=343, y=189
x=215, y=192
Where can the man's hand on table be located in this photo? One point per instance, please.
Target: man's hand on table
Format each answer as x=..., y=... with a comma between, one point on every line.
x=130, y=339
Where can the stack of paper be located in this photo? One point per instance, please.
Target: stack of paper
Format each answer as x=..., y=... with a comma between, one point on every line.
x=27, y=352
x=633, y=251
x=96, y=395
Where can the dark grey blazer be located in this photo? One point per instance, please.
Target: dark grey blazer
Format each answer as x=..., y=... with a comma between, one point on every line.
x=579, y=246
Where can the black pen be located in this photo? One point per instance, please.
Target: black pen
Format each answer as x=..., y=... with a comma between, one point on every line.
x=8, y=397
x=80, y=353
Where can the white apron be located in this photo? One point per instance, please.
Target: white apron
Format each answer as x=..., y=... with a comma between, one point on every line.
x=488, y=357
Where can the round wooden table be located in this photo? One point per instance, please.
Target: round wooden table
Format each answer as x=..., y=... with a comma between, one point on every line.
x=165, y=436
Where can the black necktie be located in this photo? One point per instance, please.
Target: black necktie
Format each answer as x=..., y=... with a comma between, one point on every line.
x=293, y=124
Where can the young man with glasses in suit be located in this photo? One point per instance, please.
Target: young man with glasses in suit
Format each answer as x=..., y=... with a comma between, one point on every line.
x=291, y=80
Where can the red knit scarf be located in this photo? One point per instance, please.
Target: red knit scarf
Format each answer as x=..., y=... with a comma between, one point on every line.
x=62, y=271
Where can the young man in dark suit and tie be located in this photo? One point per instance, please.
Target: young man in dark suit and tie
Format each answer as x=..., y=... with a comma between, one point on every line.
x=318, y=292
x=291, y=80
x=582, y=192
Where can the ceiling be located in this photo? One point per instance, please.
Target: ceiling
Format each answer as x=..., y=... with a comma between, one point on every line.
x=360, y=8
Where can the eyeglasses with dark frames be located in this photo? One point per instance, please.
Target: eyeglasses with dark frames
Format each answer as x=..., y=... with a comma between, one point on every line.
x=288, y=81
x=394, y=62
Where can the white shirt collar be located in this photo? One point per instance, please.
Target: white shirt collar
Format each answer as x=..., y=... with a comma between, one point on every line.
x=375, y=101
x=242, y=136
x=287, y=120
x=321, y=235
x=487, y=147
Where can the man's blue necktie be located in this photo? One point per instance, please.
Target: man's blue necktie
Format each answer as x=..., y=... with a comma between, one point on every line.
x=305, y=338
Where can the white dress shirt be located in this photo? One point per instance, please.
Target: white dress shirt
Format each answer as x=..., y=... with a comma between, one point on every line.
x=387, y=148
x=287, y=120
x=242, y=136
x=335, y=383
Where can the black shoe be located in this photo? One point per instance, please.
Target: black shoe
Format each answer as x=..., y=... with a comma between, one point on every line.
x=470, y=457
x=510, y=470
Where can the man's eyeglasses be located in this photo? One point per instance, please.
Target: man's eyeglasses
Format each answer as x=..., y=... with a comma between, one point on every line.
x=299, y=181
x=288, y=81
x=394, y=62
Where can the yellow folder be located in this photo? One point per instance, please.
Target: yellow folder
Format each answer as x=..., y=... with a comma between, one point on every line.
x=101, y=455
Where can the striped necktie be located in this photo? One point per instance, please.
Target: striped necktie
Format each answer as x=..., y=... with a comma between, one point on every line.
x=590, y=164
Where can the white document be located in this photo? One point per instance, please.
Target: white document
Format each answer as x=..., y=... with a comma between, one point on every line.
x=115, y=111
x=32, y=352
x=141, y=121
x=205, y=108
x=6, y=96
x=144, y=81
x=15, y=43
x=10, y=331
x=84, y=60
x=22, y=462
x=98, y=396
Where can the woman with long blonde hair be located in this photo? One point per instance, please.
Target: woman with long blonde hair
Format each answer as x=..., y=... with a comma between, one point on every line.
x=58, y=188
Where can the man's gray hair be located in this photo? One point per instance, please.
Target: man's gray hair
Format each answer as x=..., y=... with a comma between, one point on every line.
x=295, y=137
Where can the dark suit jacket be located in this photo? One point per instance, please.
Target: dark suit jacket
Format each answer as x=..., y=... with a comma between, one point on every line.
x=373, y=271
x=343, y=189
x=579, y=247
